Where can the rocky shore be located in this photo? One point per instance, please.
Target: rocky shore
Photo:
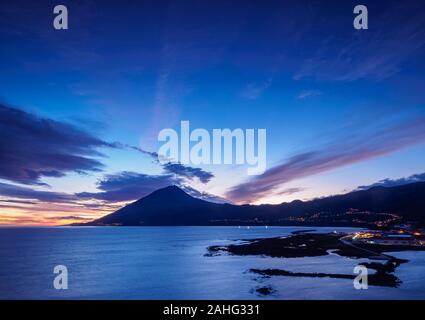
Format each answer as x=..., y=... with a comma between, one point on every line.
x=307, y=244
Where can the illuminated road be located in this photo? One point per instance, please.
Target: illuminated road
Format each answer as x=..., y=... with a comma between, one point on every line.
x=377, y=254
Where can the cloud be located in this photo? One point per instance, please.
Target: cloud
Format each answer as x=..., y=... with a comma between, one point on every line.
x=31, y=200
x=255, y=90
x=56, y=148
x=151, y=154
x=18, y=201
x=308, y=93
x=127, y=186
x=178, y=169
x=345, y=151
x=13, y=191
x=203, y=195
x=395, y=182
x=397, y=35
x=290, y=191
x=188, y=172
x=77, y=218
x=32, y=147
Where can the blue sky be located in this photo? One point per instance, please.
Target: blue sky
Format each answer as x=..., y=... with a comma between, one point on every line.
x=342, y=107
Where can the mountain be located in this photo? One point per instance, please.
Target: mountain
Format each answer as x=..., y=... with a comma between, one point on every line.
x=172, y=206
x=167, y=206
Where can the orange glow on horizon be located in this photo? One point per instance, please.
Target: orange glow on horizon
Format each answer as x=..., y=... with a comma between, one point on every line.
x=51, y=214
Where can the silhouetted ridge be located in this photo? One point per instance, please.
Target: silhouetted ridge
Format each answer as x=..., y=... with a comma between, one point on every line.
x=173, y=206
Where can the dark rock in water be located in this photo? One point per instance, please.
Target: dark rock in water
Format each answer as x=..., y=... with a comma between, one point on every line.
x=280, y=272
x=379, y=279
x=389, y=267
x=316, y=244
x=303, y=231
x=296, y=246
x=310, y=245
x=265, y=291
x=384, y=279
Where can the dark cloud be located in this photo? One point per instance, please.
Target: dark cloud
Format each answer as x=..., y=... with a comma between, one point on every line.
x=188, y=172
x=177, y=168
x=396, y=182
x=18, y=201
x=151, y=154
x=13, y=191
x=362, y=146
x=126, y=186
x=32, y=147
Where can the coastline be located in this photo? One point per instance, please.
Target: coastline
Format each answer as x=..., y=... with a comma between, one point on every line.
x=303, y=243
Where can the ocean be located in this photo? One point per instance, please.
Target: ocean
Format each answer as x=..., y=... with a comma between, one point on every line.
x=171, y=263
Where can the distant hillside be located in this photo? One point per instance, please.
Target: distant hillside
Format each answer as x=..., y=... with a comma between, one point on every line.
x=171, y=206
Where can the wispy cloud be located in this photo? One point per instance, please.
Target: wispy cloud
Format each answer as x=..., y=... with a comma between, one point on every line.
x=14, y=191
x=254, y=90
x=308, y=93
x=17, y=201
x=75, y=218
x=290, y=191
x=397, y=34
x=344, y=151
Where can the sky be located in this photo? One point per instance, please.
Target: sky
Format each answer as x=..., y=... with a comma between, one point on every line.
x=81, y=109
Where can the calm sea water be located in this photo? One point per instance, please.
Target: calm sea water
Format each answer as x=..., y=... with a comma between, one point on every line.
x=170, y=263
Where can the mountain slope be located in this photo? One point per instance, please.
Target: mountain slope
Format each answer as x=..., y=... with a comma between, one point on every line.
x=167, y=206
x=172, y=206
x=407, y=200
